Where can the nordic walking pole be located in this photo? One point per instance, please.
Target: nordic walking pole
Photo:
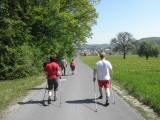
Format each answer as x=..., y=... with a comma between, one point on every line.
x=44, y=93
x=112, y=93
x=95, y=98
x=94, y=79
x=60, y=91
x=69, y=71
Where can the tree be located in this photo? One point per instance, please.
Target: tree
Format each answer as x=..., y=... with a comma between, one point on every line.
x=148, y=49
x=13, y=34
x=123, y=43
x=41, y=28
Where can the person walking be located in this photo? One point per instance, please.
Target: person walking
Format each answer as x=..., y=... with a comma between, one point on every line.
x=52, y=70
x=73, y=66
x=63, y=66
x=103, y=72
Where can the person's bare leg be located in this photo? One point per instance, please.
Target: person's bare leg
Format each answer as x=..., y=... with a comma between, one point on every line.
x=55, y=95
x=49, y=97
x=107, y=91
x=100, y=91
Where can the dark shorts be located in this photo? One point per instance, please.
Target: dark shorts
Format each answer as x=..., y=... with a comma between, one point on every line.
x=73, y=68
x=104, y=83
x=52, y=83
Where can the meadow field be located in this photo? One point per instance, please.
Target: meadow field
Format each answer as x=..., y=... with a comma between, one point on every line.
x=140, y=77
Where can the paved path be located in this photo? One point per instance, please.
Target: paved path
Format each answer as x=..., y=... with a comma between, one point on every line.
x=77, y=102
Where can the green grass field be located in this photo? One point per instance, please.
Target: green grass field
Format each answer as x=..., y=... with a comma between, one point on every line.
x=140, y=77
x=12, y=89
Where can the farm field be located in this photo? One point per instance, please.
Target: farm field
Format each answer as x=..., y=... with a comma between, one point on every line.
x=139, y=76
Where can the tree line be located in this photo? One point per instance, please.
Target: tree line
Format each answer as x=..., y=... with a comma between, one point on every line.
x=31, y=30
x=125, y=43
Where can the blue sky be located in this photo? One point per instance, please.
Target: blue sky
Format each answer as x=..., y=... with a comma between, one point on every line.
x=139, y=17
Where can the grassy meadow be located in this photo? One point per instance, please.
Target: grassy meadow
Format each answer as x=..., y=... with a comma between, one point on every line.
x=12, y=89
x=139, y=76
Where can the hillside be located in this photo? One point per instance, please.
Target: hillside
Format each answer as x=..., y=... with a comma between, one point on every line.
x=95, y=46
x=155, y=40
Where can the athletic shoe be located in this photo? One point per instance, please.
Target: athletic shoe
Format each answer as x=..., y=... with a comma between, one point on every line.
x=100, y=97
x=55, y=98
x=107, y=103
x=49, y=100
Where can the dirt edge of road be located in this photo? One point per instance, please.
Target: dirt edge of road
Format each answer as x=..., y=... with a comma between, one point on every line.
x=146, y=111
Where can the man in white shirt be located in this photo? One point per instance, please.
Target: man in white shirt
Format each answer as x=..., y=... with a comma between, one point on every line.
x=103, y=73
x=63, y=66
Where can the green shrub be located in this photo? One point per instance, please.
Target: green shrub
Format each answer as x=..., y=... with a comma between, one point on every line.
x=25, y=60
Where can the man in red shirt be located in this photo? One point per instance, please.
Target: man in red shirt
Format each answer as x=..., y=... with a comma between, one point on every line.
x=52, y=71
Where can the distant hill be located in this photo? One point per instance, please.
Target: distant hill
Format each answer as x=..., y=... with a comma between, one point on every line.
x=155, y=40
x=95, y=46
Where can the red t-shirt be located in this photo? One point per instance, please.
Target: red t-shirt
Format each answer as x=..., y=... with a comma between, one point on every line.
x=52, y=70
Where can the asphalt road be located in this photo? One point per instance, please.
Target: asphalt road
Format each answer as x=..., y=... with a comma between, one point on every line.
x=77, y=102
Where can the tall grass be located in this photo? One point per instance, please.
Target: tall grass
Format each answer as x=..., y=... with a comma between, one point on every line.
x=139, y=76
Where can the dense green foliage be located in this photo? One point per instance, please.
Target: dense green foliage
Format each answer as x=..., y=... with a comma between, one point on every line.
x=30, y=30
x=148, y=49
x=138, y=76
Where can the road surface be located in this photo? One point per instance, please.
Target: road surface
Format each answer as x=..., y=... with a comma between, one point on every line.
x=77, y=96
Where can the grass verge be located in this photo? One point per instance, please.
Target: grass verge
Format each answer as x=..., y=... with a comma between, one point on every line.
x=10, y=90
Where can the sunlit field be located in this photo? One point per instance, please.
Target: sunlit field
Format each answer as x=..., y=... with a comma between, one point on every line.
x=139, y=76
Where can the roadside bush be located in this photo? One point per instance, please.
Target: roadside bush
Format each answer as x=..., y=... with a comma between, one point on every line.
x=24, y=61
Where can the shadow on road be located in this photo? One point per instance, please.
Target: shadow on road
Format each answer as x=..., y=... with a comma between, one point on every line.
x=81, y=101
x=41, y=102
x=85, y=102
x=37, y=88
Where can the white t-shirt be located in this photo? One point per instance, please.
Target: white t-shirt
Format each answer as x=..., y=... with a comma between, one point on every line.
x=102, y=69
x=64, y=63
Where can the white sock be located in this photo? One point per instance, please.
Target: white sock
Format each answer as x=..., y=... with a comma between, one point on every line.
x=55, y=93
x=50, y=93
